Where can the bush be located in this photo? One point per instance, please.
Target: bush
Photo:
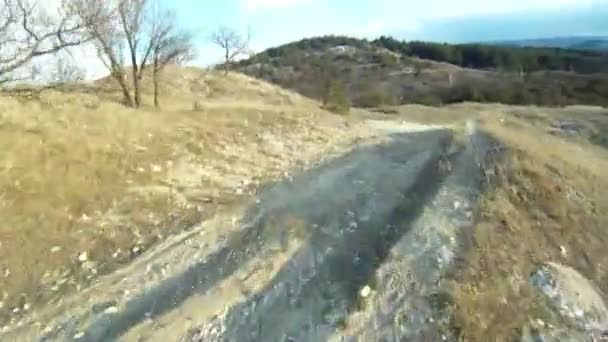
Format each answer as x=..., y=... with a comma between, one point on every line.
x=385, y=59
x=376, y=98
x=335, y=98
x=429, y=100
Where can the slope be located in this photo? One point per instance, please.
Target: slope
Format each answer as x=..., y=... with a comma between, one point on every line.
x=87, y=185
x=388, y=72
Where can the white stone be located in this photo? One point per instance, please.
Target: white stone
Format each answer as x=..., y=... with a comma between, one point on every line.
x=111, y=310
x=82, y=257
x=365, y=292
x=55, y=249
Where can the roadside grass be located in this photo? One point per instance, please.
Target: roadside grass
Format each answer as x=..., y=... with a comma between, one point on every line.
x=87, y=184
x=547, y=203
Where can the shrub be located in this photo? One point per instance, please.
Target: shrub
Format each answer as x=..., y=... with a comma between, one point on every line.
x=386, y=59
x=429, y=100
x=376, y=98
x=335, y=98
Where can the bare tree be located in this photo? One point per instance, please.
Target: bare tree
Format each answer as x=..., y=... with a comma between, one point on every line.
x=27, y=32
x=132, y=15
x=169, y=45
x=232, y=43
x=102, y=25
x=117, y=27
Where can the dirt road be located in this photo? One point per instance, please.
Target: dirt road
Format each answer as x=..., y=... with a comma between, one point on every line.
x=355, y=246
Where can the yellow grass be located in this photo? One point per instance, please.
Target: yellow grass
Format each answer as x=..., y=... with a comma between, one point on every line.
x=548, y=204
x=80, y=173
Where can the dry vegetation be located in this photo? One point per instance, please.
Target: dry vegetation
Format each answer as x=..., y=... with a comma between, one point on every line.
x=87, y=184
x=548, y=203
x=80, y=173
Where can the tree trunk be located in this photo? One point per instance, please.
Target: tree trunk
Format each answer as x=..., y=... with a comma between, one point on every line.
x=136, y=90
x=227, y=64
x=155, y=81
x=125, y=90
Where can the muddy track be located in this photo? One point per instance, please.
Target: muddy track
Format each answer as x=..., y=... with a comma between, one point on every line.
x=358, y=219
x=366, y=187
x=387, y=236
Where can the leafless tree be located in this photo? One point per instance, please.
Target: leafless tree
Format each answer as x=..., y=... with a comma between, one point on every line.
x=28, y=32
x=169, y=45
x=132, y=15
x=117, y=27
x=232, y=43
x=103, y=27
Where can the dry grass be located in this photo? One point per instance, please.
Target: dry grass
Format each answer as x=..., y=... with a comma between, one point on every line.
x=81, y=173
x=548, y=204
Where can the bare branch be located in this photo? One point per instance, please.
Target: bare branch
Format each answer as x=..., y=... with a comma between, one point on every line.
x=169, y=44
x=233, y=44
x=26, y=32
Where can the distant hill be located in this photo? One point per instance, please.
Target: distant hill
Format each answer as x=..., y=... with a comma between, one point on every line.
x=577, y=43
x=387, y=71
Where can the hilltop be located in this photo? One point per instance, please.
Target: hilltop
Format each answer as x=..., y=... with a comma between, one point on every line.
x=388, y=72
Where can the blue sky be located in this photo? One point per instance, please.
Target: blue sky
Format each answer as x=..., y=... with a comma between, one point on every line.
x=275, y=22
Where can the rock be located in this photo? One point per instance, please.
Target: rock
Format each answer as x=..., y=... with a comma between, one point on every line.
x=365, y=292
x=79, y=335
x=82, y=257
x=90, y=266
x=111, y=310
x=55, y=249
x=117, y=253
x=573, y=296
x=103, y=307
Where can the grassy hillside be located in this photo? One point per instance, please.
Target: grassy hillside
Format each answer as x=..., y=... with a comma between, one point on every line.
x=387, y=72
x=87, y=184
